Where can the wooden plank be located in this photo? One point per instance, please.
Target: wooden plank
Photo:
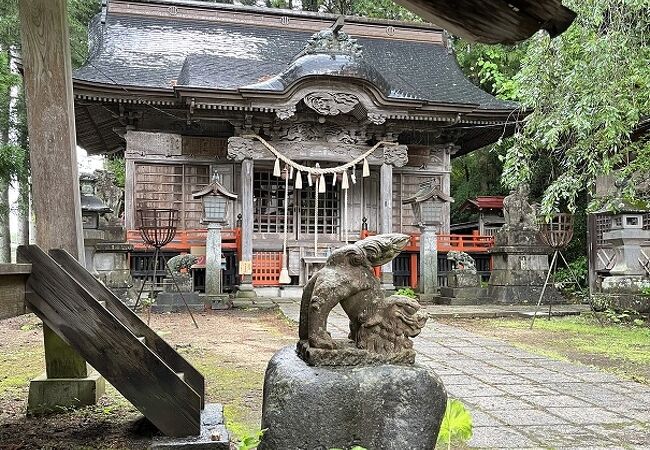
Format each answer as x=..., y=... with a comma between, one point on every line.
x=47, y=75
x=13, y=278
x=494, y=21
x=111, y=348
x=128, y=318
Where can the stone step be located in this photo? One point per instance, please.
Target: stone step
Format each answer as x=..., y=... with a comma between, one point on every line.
x=214, y=435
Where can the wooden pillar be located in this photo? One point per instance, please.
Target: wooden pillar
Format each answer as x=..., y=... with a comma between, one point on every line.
x=386, y=218
x=246, y=263
x=55, y=183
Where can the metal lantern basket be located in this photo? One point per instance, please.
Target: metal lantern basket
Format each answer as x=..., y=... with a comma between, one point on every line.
x=158, y=226
x=558, y=232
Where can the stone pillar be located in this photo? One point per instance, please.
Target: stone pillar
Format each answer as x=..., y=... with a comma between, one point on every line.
x=213, y=261
x=428, y=262
x=246, y=262
x=386, y=218
x=55, y=186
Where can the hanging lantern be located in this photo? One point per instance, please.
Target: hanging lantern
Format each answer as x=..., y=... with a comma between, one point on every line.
x=366, y=168
x=276, y=168
x=298, y=180
x=344, y=182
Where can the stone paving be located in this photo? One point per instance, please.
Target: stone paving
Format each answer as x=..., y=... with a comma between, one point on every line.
x=522, y=400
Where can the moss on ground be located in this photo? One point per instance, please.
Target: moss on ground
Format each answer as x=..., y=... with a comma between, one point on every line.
x=236, y=384
x=621, y=349
x=19, y=366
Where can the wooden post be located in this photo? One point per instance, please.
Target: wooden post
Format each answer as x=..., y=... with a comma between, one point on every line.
x=386, y=218
x=55, y=180
x=246, y=263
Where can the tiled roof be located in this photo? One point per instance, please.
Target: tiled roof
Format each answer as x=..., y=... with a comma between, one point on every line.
x=161, y=52
x=484, y=202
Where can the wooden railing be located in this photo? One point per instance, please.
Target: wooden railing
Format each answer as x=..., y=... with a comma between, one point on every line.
x=185, y=239
x=470, y=243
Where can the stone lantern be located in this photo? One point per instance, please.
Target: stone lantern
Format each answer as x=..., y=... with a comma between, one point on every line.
x=217, y=202
x=626, y=237
x=92, y=209
x=428, y=205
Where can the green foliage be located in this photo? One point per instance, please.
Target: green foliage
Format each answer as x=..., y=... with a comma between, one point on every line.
x=564, y=277
x=589, y=88
x=117, y=167
x=457, y=426
x=251, y=441
x=477, y=173
x=407, y=292
x=491, y=67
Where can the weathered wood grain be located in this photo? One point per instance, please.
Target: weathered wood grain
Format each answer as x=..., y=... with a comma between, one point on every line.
x=110, y=347
x=13, y=278
x=47, y=74
x=494, y=21
x=128, y=318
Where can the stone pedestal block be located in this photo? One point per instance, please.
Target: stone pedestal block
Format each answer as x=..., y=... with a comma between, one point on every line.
x=173, y=302
x=519, y=271
x=463, y=296
x=52, y=394
x=463, y=279
x=385, y=407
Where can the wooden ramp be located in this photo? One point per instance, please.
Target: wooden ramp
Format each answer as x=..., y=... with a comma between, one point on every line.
x=130, y=355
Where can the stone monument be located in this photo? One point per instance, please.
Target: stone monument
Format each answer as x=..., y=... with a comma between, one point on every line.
x=463, y=282
x=630, y=273
x=519, y=257
x=364, y=390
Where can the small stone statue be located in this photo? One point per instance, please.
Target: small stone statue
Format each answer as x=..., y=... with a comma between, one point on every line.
x=378, y=325
x=517, y=211
x=179, y=262
x=463, y=261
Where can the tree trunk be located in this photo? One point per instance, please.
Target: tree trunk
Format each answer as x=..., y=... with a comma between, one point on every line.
x=5, y=232
x=22, y=230
x=5, y=235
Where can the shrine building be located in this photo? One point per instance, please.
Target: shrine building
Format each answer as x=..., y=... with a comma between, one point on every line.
x=185, y=90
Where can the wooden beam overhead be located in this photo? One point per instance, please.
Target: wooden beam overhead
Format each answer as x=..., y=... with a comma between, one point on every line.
x=494, y=21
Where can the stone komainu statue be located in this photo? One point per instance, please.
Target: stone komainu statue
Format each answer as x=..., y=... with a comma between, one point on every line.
x=377, y=324
x=517, y=211
x=463, y=261
x=179, y=262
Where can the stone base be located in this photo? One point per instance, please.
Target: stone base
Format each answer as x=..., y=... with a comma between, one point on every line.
x=624, y=284
x=377, y=407
x=48, y=395
x=463, y=279
x=217, y=302
x=214, y=435
x=519, y=272
x=624, y=302
x=347, y=354
x=524, y=295
x=173, y=302
x=463, y=296
x=246, y=291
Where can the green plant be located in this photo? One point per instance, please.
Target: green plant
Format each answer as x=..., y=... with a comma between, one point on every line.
x=407, y=292
x=566, y=277
x=250, y=441
x=457, y=426
x=117, y=166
